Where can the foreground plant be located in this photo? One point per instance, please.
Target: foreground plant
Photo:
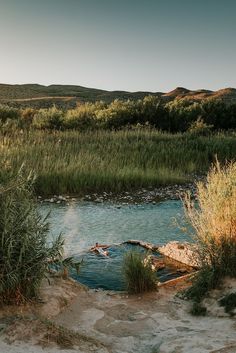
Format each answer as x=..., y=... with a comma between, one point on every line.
x=139, y=276
x=25, y=254
x=214, y=221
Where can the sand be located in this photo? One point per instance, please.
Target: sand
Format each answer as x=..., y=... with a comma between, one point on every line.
x=153, y=323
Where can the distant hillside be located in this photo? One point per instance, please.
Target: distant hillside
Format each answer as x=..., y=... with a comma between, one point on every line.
x=68, y=96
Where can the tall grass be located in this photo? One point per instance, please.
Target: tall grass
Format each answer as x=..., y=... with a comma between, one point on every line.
x=214, y=220
x=76, y=163
x=24, y=252
x=139, y=277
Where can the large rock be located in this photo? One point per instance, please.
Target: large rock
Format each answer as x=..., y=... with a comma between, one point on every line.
x=185, y=253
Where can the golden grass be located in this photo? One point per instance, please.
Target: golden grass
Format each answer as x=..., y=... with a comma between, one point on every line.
x=215, y=216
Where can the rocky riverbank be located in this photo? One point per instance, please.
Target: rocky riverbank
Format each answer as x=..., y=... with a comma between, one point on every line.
x=144, y=195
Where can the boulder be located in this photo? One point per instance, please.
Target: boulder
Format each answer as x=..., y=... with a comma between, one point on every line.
x=186, y=253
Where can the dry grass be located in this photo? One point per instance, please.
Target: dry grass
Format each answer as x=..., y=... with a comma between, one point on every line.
x=214, y=221
x=215, y=218
x=46, y=334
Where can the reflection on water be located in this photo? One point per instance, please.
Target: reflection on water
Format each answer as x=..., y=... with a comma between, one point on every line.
x=84, y=224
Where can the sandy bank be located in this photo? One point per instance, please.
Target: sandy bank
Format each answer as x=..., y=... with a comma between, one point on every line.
x=99, y=321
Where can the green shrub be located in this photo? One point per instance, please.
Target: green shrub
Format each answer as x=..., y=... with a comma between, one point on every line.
x=198, y=127
x=202, y=283
x=229, y=303
x=139, y=276
x=198, y=310
x=25, y=254
x=51, y=118
x=81, y=118
x=7, y=112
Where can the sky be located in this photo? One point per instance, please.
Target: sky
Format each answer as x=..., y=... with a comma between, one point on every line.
x=133, y=45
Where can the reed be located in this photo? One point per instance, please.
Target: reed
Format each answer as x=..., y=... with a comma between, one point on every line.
x=95, y=161
x=139, y=277
x=25, y=253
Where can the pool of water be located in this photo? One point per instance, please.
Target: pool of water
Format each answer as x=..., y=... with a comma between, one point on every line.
x=85, y=223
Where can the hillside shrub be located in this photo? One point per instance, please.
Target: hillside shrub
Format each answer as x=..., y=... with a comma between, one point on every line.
x=7, y=112
x=51, y=118
x=27, y=116
x=199, y=127
x=82, y=118
x=177, y=115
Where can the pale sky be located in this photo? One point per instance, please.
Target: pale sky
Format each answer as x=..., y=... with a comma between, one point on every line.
x=153, y=45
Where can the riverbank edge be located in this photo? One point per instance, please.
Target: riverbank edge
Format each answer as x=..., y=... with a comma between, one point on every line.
x=143, y=195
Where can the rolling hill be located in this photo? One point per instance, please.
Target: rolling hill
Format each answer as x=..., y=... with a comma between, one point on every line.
x=68, y=96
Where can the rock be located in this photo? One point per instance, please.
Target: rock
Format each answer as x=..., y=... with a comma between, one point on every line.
x=157, y=264
x=185, y=253
x=2, y=327
x=182, y=270
x=145, y=245
x=61, y=198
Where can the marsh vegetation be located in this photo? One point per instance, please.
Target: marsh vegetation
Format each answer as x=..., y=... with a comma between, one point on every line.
x=78, y=163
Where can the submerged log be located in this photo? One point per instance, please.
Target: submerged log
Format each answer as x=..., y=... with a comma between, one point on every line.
x=144, y=244
x=176, y=281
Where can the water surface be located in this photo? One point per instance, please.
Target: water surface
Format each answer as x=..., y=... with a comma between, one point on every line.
x=85, y=223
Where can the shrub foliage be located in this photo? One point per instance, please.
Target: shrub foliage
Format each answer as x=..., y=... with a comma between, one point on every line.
x=179, y=115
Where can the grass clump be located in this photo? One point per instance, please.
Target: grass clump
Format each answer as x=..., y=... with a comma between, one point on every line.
x=214, y=220
x=229, y=303
x=25, y=252
x=139, y=276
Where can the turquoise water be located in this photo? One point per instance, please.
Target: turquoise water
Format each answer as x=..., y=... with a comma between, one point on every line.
x=85, y=223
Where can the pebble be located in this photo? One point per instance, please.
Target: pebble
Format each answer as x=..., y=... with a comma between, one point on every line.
x=141, y=196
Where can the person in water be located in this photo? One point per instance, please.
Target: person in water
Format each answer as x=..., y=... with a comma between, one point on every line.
x=100, y=249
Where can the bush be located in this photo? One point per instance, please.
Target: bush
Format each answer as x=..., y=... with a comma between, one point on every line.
x=198, y=127
x=229, y=303
x=198, y=310
x=25, y=254
x=27, y=116
x=117, y=114
x=51, y=118
x=214, y=220
x=139, y=276
x=7, y=112
x=81, y=118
